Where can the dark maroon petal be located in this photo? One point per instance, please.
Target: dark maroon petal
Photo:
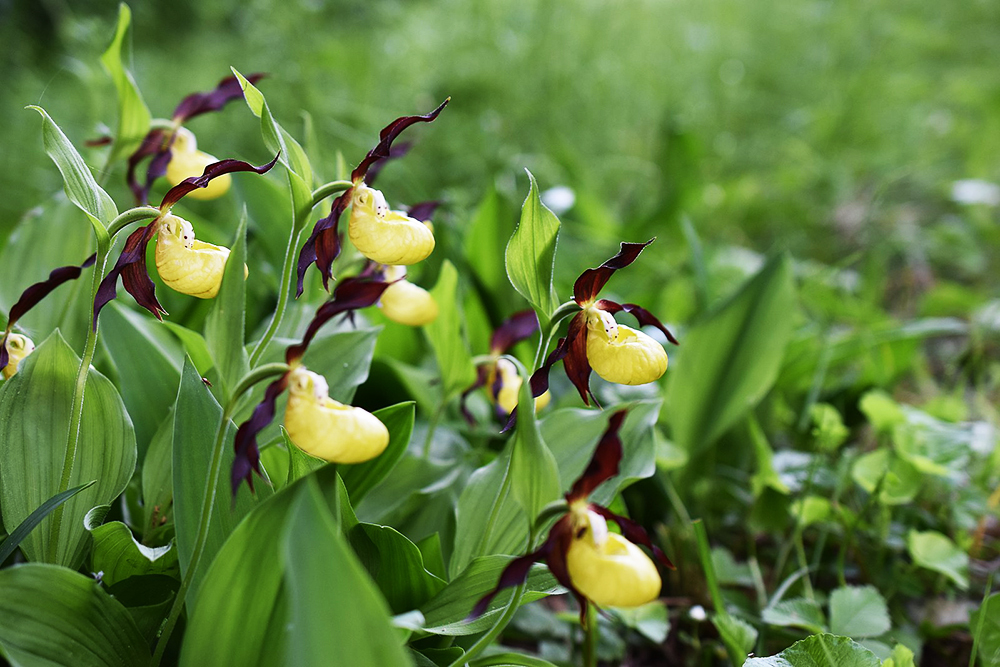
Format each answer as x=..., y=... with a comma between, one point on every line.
x=196, y=104
x=154, y=143
x=351, y=294
x=35, y=293
x=646, y=318
x=136, y=281
x=515, y=573
x=591, y=281
x=634, y=533
x=395, y=152
x=539, y=381
x=96, y=143
x=519, y=326
x=211, y=172
x=325, y=237
x=576, y=363
x=388, y=134
x=482, y=375
x=4, y=356
x=604, y=464
x=561, y=536
x=133, y=253
x=423, y=211
x=247, y=459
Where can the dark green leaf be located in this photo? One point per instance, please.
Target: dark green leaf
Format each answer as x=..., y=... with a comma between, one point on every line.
x=158, y=480
x=11, y=542
x=224, y=329
x=531, y=254
x=445, y=334
x=396, y=565
x=133, y=116
x=195, y=346
x=119, y=556
x=363, y=477
x=533, y=469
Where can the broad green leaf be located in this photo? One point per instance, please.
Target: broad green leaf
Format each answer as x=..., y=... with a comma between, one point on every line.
x=810, y=510
x=50, y=615
x=820, y=651
x=766, y=476
x=12, y=541
x=300, y=464
x=119, y=555
x=934, y=551
x=531, y=254
x=902, y=656
x=731, y=359
x=738, y=635
x=196, y=418
x=396, y=565
x=81, y=188
x=797, y=613
x=902, y=480
x=985, y=626
x=363, y=477
x=447, y=612
x=321, y=574
x=445, y=334
x=158, y=480
x=195, y=346
x=858, y=612
x=508, y=659
x=148, y=363
x=35, y=408
x=728, y=571
x=829, y=430
x=533, y=469
x=881, y=410
x=133, y=116
x=486, y=235
x=651, y=620
x=224, y=329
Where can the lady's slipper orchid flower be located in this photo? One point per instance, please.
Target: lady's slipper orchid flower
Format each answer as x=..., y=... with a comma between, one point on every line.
x=187, y=161
x=186, y=264
x=380, y=234
x=15, y=347
x=315, y=423
x=597, y=566
x=500, y=375
x=404, y=302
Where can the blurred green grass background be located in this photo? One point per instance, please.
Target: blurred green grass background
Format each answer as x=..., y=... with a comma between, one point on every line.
x=826, y=128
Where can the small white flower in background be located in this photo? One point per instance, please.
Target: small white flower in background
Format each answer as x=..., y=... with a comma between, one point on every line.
x=697, y=613
x=559, y=199
x=975, y=191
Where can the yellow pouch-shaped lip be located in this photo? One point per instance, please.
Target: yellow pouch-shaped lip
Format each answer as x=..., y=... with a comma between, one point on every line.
x=185, y=264
x=510, y=385
x=385, y=236
x=187, y=161
x=615, y=573
x=621, y=354
x=409, y=304
x=18, y=347
x=326, y=429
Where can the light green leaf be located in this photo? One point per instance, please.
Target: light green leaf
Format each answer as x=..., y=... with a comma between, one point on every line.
x=829, y=431
x=81, y=188
x=35, y=408
x=738, y=635
x=224, y=328
x=902, y=656
x=797, y=613
x=533, y=469
x=119, y=555
x=820, y=651
x=363, y=477
x=731, y=359
x=133, y=116
x=651, y=620
x=158, y=480
x=858, y=612
x=986, y=629
x=881, y=410
x=485, y=237
x=810, y=510
x=70, y=618
x=195, y=346
x=766, y=476
x=12, y=541
x=445, y=334
x=902, y=480
x=934, y=551
x=531, y=254
x=728, y=571
x=396, y=565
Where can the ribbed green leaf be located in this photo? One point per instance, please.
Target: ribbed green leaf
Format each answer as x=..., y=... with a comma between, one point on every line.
x=133, y=116
x=363, y=477
x=445, y=334
x=12, y=541
x=224, y=329
x=118, y=555
x=820, y=651
x=531, y=254
x=533, y=469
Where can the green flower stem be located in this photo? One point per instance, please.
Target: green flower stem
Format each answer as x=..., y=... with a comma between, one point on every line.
x=545, y=339
x=76, y=414
x=287, y=267
x=433, y=424
x=590, y=638
x=130, y=216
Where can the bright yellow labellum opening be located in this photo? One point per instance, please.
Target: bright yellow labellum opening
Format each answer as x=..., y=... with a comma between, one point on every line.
x=510, y=385
x=329, y=430
x=186, y=264
x=406, y=303
x=611, y=571
x=621, y=354
x=383, y=235
x=186, y=161
x=18, y=347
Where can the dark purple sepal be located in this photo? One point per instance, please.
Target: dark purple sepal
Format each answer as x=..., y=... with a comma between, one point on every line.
x=4, y=355
x=576, y=364
x=196, y=104
x=604, y=463
x=634, y=533
x=133, y=260
x=106, y=140
x=591, y=281
x=155, y=143
x=395, y=152
x=561, y=537
x=35, y=293
x=388, y=134
x=482, y=376
x=212, y=171
x=539, y=381
x=519, y=326
x=645, y=317
x=247, y=461
x=515, y=573
x=423, y=211
x=324, y=240
x=351, y=294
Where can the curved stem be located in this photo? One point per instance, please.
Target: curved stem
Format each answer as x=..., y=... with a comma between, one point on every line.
x=252, y=378
x=545, y=337
x=327, y=189
x=590, y=638
x=130, y=216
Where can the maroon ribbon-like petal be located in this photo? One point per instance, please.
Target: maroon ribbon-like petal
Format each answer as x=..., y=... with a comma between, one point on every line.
x=539, y=381
x=515, y=573
x=645, y=317
x=482, y=375
x=634, y=533
x=519, y=326
x=325, y=239
x=157, y=144
x=131, y=265
x=351, y=294
x=576, y=364
x=247, y=461
x=604, y=464
x=226, y=91
x=383, y=149
x=212, y=171
x=423, y=211
x=38, y=291
x=395, y=152
x=591, y=281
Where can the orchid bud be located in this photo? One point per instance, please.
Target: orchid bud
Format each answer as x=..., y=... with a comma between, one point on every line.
x=610, y=571
x=622, y=354
x=324, y=428
x=18, y=347
x=406, y=303
x=510, y=385
x=383, y=235
x=186, y=264
x=187, y=161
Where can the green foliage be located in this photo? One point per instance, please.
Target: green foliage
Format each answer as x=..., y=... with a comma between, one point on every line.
x=858, y=611
x=531, y=255
x=445, y=334
x=12, y=541
x=133, y=115
x=934, y=551
x=224, y=328
x=985, y=624
x=820, y=651
x=533, y=469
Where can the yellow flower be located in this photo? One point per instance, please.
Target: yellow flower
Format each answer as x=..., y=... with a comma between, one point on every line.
x=186, y=161
x=608, y=569
x=18, y=347
x=510, y=385
x=383, y=235
x=406, y=303
x=186, y=264
x=329, y=430
x=621, y=354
